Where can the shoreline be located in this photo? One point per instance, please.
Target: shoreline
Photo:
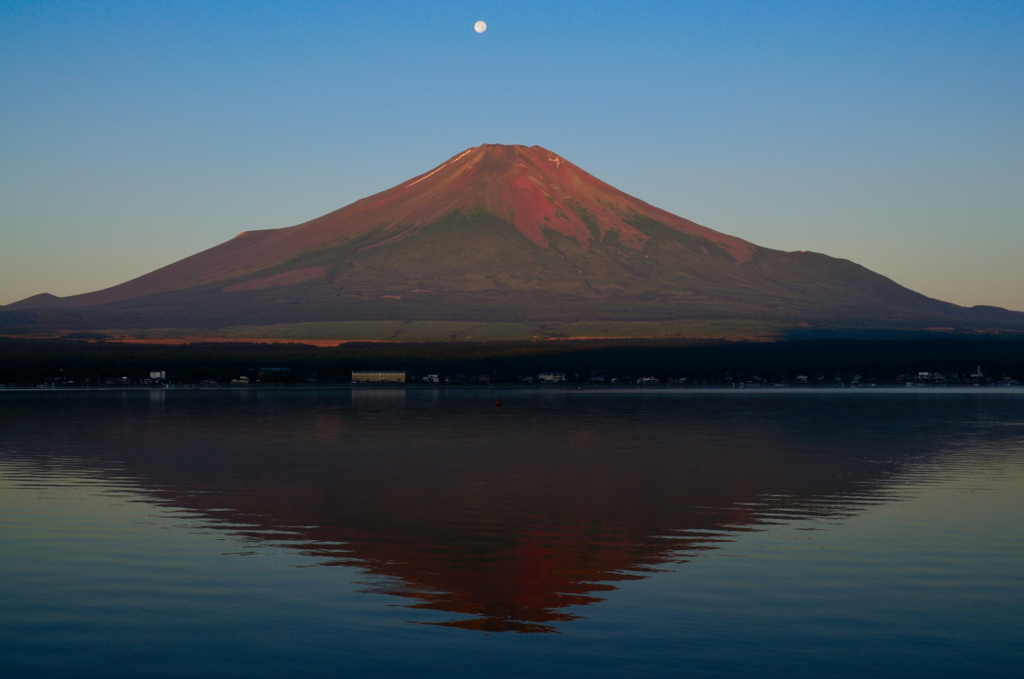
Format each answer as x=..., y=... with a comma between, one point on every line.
x=650, y=390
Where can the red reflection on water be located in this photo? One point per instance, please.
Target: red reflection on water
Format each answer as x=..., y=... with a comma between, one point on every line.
x=508, y=524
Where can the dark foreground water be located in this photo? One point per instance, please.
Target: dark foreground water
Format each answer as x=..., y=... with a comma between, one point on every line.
x=385, y=532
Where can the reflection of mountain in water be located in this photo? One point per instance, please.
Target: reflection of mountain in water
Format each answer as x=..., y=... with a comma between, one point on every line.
x=505, y=517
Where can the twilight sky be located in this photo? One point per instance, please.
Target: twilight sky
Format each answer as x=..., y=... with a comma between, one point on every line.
x=133, y=134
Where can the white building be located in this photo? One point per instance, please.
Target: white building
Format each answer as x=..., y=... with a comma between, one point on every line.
x=378, y=376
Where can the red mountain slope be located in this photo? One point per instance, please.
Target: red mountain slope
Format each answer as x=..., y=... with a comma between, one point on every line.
x=530, y=187
x=500, y=234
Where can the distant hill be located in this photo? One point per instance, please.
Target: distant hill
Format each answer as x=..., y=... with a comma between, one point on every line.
x=500, y=235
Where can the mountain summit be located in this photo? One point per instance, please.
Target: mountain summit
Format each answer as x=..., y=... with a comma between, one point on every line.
x=501, y=234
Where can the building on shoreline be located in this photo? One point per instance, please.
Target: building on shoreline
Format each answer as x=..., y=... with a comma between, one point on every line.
x=378, y=376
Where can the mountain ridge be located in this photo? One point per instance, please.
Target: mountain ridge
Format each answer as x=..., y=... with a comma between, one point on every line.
x=502, y=234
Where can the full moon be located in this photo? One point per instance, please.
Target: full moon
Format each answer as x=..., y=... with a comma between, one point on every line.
x=479, y=27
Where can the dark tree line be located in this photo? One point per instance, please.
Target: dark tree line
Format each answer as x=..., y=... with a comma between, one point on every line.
x=31, y=361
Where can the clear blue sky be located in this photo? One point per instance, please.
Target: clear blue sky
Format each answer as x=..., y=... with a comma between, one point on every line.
x=133, y=134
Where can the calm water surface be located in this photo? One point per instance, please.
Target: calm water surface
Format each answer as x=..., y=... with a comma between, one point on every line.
x=373, y=532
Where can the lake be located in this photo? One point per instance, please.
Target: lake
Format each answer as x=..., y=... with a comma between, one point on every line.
x=573, y=533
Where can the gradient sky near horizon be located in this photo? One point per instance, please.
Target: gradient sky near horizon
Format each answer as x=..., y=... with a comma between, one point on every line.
x=133, y=134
